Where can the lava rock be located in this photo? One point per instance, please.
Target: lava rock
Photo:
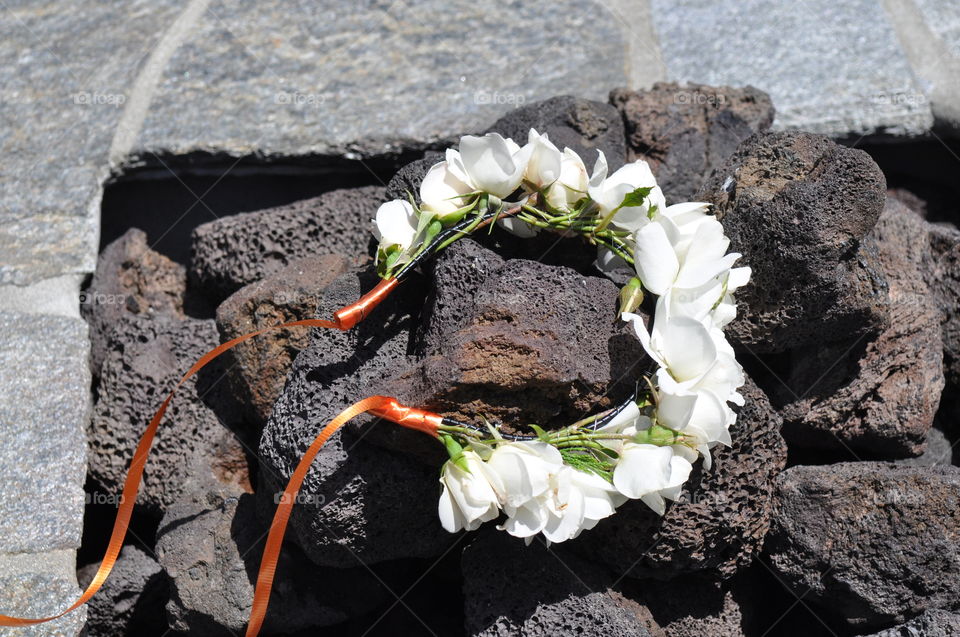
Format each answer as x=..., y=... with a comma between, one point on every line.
x=145, y=360
x=686, y=131
x=939, y=450
x=512, y=589
x=873, y=542
x=720, y=523
x=132, y=599
x=697, y=606
x=235, y=251
x=407, y=180
x=456, y=276
x=377, y=505
x=797, y=206
x=261, y=364
x=527, y=343
x=932, y=623
x=876, y=396
x=944, y=280
x=210, y=544
x=582, y=125
x=130, y=279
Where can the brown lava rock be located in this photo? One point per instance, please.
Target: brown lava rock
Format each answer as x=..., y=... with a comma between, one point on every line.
x=262, y=364
x=877, y=396
x=519, y=342
x=686, y=131
x=797, y=206
x=130, y=280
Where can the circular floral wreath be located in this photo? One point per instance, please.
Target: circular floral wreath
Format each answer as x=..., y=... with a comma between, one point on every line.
x=556, y=482
x=560, y=482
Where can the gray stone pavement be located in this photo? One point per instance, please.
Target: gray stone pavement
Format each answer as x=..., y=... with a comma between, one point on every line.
x=92, y=88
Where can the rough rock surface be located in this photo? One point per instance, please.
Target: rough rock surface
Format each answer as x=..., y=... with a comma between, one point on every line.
x=407, y=180
x=876, y=396
x=261, y=364
x=132, y=598
x=939, y=450
x=696, y=606
x=519, y=341
x=375, y=504
x=235, y=251
x=944, y=280
x=874, y=542
x=932, y=623
x=131, y=279
x=797, y=206
x=582, y=125
x=210, y=543
x=723, y=517
x=146, y=358
x=512, y=589
x=686, y=131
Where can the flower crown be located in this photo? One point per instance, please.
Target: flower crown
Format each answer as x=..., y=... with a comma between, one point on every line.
x=560, y=482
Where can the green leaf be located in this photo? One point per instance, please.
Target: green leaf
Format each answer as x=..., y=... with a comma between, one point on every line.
x=636, y=198
x=541, y=434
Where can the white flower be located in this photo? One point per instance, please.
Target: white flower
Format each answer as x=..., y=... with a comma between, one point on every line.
x=608, y=192
x=396, y=224
x=577, y=501
x=726, y=311
x=525, y=470
x=650, y=473
x=572, y=184
x=493, y=164
x=541, y=494
x=544, y=161
x=698, y=374
x=670, y=255
x=444, y=186
x=469, y=498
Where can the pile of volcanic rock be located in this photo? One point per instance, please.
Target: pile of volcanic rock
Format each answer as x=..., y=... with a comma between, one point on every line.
x=835, y=511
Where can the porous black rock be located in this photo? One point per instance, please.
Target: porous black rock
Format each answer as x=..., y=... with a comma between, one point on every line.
x=376, y=504
x=131, y=600
x=407, y=180
x=582, y=125
x=798, y=206
x=686, y=131
x=875, y=395
x=719, y=525
x=873, y=542
x=512, y=589
x=210, y=543
x=237, y=250
x=146, y=358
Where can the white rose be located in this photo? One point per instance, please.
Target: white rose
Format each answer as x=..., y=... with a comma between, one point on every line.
x=444, y=186
x=469, y=498
x=396, y=224
x=493, y=164
x=608, y=192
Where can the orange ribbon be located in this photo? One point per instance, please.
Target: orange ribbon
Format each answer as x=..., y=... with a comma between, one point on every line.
x=343, y=320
